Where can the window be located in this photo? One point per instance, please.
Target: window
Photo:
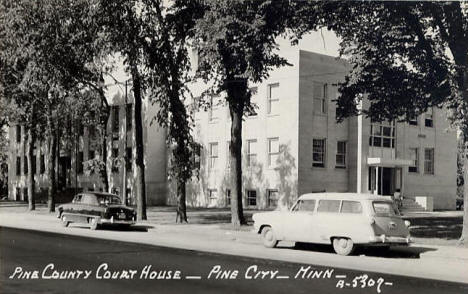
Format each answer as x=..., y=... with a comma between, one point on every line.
x=413, y=121
x=25, y=161
x=329, y=206
x=251, y=198
x=383, y=208
x=304, y=205
x=115, y=119
x=129, y=116
x=382, y=135
x=128, y=159
x=320, y=98
x=213, y=197
x=273, y=98
x=92, y=132
x=253, y=102
x=429, y=118
x=77, y=198
x=42, y=163
x=351, y=207
x=251, y=152
x=25, y=193
x=228, y=197
x=272, y=197
x=414, y=156
x=18, y=133
x=18, y=166
x=273, y=151
x=115, y=152
x=429, y=161
x=318, y=153
x=341, y=154
x=79, y=163
x=213, y=155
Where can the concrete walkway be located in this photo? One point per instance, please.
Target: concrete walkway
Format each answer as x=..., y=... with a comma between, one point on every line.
x=426, y=261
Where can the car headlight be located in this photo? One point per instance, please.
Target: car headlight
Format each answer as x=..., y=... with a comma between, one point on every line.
x=407, y=223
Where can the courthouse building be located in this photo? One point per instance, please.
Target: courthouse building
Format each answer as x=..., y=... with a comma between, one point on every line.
x=292, y=145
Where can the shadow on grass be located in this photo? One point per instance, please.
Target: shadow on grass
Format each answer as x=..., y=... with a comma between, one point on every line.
x=377, y=251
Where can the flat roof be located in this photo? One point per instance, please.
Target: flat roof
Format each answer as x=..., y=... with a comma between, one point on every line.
x=344, y=196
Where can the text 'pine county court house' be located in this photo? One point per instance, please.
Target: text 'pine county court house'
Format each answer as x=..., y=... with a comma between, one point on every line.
x=292, y=145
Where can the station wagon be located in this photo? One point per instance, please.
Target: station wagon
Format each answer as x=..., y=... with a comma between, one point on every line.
x=95, y=209
x=344, y=220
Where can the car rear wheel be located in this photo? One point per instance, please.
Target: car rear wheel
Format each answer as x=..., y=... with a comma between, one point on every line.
x=93, y=223
x=65, y=221
x=269, y=239
x=343, y=246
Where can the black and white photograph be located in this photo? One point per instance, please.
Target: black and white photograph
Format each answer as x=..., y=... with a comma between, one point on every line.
x=233, y=146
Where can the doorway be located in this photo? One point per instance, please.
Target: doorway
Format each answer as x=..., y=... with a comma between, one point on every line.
x=382, y=180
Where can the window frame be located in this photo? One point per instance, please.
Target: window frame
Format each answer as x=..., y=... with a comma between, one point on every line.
x=321, y=164
x=272, y=154
x=415, y=167
x=429, y=122
x=322, y=99
x=249, y=198
x=429, y=164
x=269, y=199
x=251, y=157
x=343, y=154
x=272, y=99
x=213, y=157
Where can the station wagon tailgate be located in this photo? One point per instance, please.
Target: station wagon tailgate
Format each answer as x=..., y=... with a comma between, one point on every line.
x=387, y=222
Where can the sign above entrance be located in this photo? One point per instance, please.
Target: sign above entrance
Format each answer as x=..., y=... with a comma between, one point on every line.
x=388, y=162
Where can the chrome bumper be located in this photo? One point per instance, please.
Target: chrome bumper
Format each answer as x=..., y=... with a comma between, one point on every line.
x=390, y=239
x=117, y=222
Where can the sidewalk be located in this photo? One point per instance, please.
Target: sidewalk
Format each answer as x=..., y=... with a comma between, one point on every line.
x=209, y=231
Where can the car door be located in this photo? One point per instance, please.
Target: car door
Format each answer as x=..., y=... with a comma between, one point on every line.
x=326, y=220
x=298, y=225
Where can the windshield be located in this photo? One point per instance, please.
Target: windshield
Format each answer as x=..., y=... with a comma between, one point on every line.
x=384, y=208
x=108, y=199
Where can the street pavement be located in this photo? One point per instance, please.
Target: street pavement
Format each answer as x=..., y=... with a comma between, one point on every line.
x=140, y=268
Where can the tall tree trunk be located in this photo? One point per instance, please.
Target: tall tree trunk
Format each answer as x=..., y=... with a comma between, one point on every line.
x=31, y=157
x=103, y=172
x=181, y=207
x=51, y=165
x=464, y=90
x=139, y=160
x=237, y=91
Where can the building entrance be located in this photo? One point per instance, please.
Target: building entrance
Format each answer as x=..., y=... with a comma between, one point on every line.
x=384, y=180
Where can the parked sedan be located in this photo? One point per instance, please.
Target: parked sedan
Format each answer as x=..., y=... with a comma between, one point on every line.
x=344, y=220
x=95, y=209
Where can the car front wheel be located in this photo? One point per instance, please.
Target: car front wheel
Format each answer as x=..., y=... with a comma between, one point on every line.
x=343, y=246
x=269, y=239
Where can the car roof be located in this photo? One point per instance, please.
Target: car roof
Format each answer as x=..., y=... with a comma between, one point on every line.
x=99, y=193
x=344, y=196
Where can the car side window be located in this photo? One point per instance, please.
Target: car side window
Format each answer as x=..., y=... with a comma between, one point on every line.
x=89, y=199
x=329, y=206
x=307, y=205
x=351, y=207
